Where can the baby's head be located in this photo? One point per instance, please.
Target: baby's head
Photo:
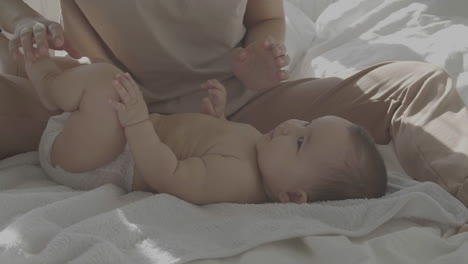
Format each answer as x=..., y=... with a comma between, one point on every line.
x=329, y=158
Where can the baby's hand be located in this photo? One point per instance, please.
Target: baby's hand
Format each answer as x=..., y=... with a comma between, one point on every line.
x=132, y=108
x=215, y=103
x=259, y=65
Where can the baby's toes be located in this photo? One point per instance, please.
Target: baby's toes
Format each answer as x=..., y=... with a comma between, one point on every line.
x=282, y=61
x=278, y=50
x=282, y=75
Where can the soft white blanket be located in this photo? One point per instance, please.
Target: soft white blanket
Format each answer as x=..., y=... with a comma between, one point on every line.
x=49, y=224
x=41, y=222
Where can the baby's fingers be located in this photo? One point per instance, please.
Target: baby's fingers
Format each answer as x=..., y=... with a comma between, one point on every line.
x=282, y=75
x=121, y=91
x=125, y=83
x=119, y=107
x=216, y=98
x=132, y=88
x=207, y=107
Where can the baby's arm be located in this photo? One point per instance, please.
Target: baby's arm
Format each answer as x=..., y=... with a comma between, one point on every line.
x=201, y=180
x=152, y=157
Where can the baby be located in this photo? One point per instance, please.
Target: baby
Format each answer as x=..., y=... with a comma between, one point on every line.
x=106, y=135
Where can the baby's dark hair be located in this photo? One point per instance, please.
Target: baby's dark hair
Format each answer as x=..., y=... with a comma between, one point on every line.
x=363, y=174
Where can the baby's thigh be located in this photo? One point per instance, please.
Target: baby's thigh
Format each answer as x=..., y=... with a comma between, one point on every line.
x=92, y=136
x=87, y=87
x=97, y=81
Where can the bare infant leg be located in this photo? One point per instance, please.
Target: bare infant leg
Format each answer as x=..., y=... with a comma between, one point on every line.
x=92, y=136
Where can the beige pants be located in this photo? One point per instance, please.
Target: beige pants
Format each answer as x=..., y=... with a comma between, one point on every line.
x=412, y=103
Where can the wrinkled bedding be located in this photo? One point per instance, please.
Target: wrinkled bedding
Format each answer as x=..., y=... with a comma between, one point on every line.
x=42, y=222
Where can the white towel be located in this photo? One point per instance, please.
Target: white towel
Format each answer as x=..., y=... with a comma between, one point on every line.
x=106, y=225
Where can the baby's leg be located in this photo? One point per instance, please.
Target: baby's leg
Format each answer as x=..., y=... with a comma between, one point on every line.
x=92, y=136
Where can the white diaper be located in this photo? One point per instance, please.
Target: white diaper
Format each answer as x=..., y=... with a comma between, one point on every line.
x=118, y=172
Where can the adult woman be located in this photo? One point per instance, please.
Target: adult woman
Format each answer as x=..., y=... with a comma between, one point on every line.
x=172, y=46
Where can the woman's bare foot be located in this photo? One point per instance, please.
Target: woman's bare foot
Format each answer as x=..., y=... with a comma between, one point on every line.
x=259, y=65
x=41, y=73
x=7, y=64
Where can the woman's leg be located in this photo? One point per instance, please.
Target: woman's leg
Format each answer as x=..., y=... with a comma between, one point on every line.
x=92, y=136
x=412, y=103
x=22, y=116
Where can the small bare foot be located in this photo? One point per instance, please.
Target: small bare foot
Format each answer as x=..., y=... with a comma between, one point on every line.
x=41, y=73
x=215, y=103
x=259, y=65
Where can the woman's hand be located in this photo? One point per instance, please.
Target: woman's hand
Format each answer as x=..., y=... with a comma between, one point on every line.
x=259, y=65
x=132, y=108
x=44, y=33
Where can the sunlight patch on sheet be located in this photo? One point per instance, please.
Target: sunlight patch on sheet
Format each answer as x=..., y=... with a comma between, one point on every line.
x=152, y=251
x=9, y=238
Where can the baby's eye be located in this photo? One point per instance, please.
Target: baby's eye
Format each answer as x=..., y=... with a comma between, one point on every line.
x=299, y=142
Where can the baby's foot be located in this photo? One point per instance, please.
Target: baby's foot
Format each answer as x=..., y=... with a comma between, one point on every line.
x=41, y=73
x=215, y=103
x=259, y=65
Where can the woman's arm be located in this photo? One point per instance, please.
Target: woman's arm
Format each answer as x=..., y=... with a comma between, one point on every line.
x=264, y=18
x=11, y=11
x=28, y=28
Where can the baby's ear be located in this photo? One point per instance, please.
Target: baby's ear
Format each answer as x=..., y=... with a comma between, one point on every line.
x=298, y=197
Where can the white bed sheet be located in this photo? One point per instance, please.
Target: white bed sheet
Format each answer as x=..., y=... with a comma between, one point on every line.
x=347, y=36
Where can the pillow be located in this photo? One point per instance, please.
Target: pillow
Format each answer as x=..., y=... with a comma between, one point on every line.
x=312, y=8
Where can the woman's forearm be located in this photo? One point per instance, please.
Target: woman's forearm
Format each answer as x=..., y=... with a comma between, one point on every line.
x=154, y=160
x=11, y=11
x=275, y=28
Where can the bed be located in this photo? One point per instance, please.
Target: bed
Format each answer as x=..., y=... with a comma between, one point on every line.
x=42, y=222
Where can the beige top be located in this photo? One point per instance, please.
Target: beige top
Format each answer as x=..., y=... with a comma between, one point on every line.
x=169, y=46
